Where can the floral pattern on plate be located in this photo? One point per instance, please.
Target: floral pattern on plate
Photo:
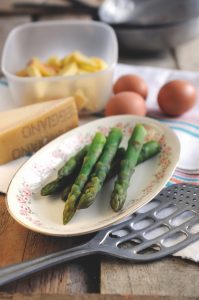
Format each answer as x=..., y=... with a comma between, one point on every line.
x=43, y=166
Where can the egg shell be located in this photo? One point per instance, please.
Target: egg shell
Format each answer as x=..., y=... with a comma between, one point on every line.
x=131, y=83
x=126, y=103
x=176, y=97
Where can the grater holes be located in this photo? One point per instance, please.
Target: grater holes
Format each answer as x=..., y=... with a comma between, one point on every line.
x=150, y=250
x=168, y=193
x=156, y=232
x=130, y=244
x=149, y=206
x=194, y=228
x=166, y=211
x=146, y=222
x=194, y=193
x=120, y=233
x=174, y=239
x=182, y=218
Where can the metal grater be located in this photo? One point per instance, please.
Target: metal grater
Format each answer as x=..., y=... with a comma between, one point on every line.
x=133, y=239
x=174, y=212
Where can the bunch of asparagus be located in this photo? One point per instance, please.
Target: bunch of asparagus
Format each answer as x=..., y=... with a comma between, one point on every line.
x=83, y=175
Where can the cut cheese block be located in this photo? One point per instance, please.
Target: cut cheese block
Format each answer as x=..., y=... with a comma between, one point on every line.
x=26, y=129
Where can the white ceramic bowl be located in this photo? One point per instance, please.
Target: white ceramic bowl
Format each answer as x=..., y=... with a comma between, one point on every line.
x=44, y=39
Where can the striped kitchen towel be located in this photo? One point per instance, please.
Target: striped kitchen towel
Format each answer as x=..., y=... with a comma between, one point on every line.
x=188, y=134
x=179, y=177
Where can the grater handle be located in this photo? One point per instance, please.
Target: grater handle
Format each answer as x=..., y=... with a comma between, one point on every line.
x=20, y=270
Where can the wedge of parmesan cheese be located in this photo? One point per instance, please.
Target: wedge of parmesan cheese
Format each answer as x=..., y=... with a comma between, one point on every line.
x=26, y=129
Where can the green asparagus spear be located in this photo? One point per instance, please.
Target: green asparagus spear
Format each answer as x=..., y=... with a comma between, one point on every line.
x=67, y=173
x=115, y=163
x=52, y=187
x=66, y=192
x=127, y=166
x=94, y=151
x=101, y=169
x=112, y=172
x=149, y=150
x=57, y=185
x=68, y=184
x=72, y=163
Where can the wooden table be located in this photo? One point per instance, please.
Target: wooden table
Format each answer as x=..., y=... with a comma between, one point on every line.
x=99, y=277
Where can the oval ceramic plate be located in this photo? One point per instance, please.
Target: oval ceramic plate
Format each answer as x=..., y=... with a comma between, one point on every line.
x=44, y=214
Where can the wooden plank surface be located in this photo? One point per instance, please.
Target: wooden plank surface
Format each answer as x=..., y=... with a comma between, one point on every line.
x=18, y=244
x=85, y=297
x=169, y=277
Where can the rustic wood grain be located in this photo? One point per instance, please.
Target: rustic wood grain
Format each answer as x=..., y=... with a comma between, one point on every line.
x=168, y=277
x=80, y=276
x=18, y=244
x=85, y=297
x=12, y=240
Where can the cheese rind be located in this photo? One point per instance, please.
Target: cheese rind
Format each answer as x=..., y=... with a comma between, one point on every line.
x=24, y=130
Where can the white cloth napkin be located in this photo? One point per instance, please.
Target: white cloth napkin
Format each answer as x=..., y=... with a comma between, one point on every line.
x=186, y=127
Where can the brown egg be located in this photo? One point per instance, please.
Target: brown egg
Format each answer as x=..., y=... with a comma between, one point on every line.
x=131, y=83
x=176, y=97
x=126, y=103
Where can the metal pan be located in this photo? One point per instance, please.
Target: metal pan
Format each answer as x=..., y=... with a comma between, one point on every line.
x=152, y=25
